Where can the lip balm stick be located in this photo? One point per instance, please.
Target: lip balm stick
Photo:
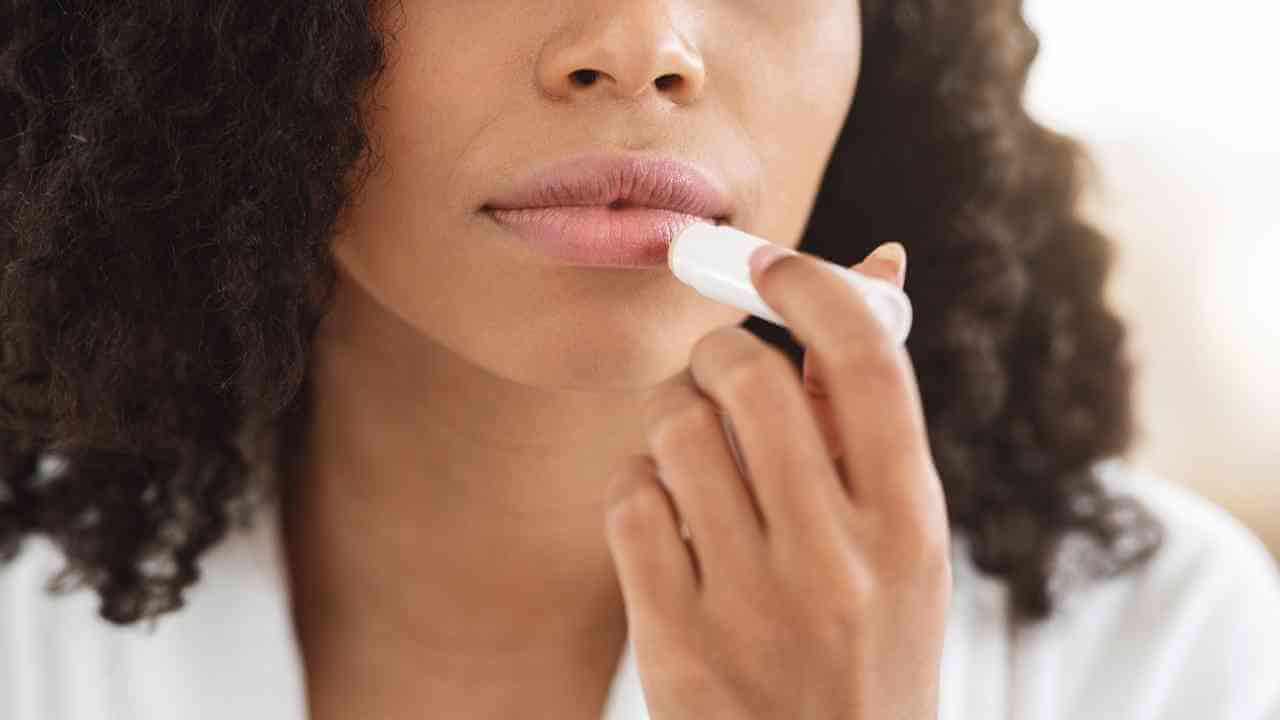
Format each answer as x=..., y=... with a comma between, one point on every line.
x=712, y=259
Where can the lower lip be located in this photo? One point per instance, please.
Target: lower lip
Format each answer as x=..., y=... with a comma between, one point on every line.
x=597, y=234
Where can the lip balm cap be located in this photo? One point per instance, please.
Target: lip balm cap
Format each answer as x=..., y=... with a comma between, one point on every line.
x=713, y=260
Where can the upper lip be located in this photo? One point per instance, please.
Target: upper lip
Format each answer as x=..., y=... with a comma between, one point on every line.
x=654, y=181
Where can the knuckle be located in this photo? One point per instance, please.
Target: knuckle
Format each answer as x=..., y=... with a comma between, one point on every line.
x=754, y=371
x=930, y=573
x=727, y=334
x=635, y=470
x=636, y=514
x=856, y=590
x=684, y=426
x=933, y=554
x=690, y=679
x=921, y=550
x=839, y=622
x=921, y=531
x=724, y=342
x=864, y=356
x=940, y=576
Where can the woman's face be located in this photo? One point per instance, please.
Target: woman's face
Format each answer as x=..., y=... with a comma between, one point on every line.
x=479, y=93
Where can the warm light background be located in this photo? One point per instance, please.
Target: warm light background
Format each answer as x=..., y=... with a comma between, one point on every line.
x=1180, y=103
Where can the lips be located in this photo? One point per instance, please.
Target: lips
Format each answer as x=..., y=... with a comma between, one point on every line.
x=609, y=209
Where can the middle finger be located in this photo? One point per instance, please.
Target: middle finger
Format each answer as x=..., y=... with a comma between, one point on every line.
x=870, y=382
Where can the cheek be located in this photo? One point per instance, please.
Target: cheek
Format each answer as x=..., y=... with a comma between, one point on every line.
x=822, y=59
x=428, y=107
x=393, y=239
x=796, y=104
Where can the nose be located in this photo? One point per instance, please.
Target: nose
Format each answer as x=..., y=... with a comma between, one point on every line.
x=622, y=53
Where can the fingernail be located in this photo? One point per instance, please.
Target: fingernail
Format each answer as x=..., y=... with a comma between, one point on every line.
x=894, y=252
x=766, y=255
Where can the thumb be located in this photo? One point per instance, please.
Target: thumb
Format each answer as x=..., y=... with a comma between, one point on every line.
x=887, y=262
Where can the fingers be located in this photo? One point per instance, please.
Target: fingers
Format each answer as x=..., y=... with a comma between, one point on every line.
x=787, y=465
x=889, y=255
x=687, y=435
x=654, y=566
x=889, y=263
x=889, y=266
x=867, y=378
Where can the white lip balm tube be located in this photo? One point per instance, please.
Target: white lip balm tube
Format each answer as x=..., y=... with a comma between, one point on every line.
x=712, y=259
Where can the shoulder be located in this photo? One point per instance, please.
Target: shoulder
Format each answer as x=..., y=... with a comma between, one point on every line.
x=38, y=629
x=1205, y=549
x=228, y=651
x=1195, y=631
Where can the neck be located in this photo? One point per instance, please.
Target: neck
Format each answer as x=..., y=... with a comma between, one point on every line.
x=437, y=511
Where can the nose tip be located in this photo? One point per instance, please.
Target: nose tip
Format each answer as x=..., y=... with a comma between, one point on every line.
x=624, y=63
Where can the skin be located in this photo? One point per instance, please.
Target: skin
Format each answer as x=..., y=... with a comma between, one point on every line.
x=451, y=535
x=822, y=583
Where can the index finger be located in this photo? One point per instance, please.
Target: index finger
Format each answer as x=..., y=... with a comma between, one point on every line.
x=872, y=387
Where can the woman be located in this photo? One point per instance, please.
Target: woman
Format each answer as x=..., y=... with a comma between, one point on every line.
x=275, y=264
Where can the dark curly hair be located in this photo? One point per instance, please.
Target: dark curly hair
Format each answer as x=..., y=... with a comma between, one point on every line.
x=173, y=172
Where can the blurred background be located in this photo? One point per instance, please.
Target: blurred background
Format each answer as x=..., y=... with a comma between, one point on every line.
x=1180, y=106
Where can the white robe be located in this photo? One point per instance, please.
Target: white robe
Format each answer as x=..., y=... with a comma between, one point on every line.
x=1194, y=635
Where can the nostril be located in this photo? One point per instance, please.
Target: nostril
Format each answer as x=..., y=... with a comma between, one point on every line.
x=583, y=77
x=667, y=81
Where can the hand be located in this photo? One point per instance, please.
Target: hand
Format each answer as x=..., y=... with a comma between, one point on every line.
x=815, y=582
